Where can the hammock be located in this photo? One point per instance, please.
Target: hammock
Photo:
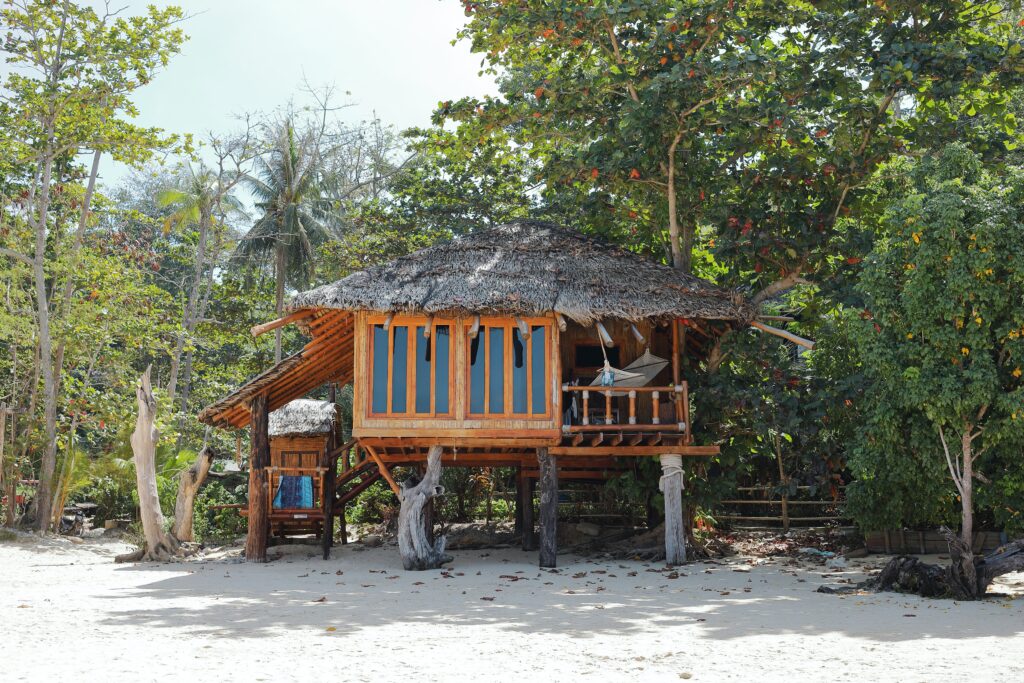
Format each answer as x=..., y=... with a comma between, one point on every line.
x=639, y=373
x=294, y=493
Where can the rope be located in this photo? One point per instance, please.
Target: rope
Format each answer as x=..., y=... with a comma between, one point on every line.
x=671, y=465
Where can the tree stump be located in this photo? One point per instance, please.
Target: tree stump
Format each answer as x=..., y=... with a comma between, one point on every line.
x=419, y=552
x=189, y=483
x=159, y=545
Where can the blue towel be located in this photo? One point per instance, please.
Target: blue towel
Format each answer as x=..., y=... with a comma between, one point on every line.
x=294, y=492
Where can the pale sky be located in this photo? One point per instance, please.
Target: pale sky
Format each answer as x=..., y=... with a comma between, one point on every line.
x=394, y=56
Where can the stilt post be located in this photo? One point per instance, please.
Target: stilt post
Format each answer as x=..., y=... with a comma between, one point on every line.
x=518, y=528
x=671, y=485
x=548, y=508
x=259, y=503
x=526, y=503
x=327, y=533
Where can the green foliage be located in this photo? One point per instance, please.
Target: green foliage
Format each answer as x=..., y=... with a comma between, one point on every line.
x=942, y=339
x=374, y=505
x=218, y=525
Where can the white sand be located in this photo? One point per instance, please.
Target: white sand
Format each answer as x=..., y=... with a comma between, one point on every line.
x=67, y=613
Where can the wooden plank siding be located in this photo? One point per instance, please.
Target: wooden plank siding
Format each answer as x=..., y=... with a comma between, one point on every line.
x=458, y=422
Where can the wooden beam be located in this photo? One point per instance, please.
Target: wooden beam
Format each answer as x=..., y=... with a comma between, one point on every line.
x=636, y=333
x=560, y=319
x=388, y=320
x=789, y=336
x=384, y=472
x=603, y=333
x=474, y=329
x=263, y=328
x=524, y=329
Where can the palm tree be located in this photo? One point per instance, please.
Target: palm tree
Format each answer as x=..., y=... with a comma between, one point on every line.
x=201, y=198
x=286, y=184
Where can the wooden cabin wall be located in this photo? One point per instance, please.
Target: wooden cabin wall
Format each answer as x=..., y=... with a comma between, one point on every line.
x=298, y=451
x=458, y=423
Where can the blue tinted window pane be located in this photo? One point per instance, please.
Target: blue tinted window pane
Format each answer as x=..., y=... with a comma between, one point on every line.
x=519, y=369
x=400, y=366
x=379, y=400
x=423, y=354
x=538, y=363
x=496, y=370
x=478, y=364
x=441, y=348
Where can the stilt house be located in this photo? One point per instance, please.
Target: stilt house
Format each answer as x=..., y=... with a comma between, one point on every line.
x=527, y=345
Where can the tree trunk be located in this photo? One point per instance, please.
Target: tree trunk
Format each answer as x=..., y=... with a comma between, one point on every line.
x=189, y=483
x=160, y=545
x=259, y=503
x=548, y=508
x=279, y=274
x=189, y=316
x=43, y=500
x=417, y=551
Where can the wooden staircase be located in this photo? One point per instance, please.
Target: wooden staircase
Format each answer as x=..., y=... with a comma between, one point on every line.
x=358, y=471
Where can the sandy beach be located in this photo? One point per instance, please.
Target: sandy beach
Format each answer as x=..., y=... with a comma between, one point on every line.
x=70, y=613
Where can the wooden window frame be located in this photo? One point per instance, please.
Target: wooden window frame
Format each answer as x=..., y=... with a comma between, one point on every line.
x=510, y=326
x=411, y=322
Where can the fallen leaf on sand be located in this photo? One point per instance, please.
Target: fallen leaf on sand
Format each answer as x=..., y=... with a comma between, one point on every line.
x=330, y=628
x=488, y=599
x=322, y=598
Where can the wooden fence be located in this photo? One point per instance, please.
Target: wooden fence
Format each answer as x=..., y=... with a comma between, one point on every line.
x=757, y=504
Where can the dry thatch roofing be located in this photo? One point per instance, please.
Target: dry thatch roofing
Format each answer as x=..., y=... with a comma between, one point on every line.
x=302, y=417
x=529, y=268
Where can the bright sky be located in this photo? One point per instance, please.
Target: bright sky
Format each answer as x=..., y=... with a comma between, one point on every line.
x=394, y=56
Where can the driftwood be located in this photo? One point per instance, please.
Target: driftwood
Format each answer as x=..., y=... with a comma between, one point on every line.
x=189, y=483
x=417, y=551
x=965, y=578
x=159, y=544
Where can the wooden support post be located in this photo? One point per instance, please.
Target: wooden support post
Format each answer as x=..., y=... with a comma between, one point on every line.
x=548, y=508
x=327, y=501
x=259, y=461
x=526, y=503
x=517, y=530
x=671, y=485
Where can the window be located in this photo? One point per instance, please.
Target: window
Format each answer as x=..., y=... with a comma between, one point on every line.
x=508, y=372
x=410, y=370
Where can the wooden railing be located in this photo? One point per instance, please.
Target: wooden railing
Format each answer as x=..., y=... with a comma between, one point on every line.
x=609, y=399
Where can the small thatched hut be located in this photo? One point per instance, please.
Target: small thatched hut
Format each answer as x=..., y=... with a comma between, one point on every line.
x=525, y=345
x=301, y=434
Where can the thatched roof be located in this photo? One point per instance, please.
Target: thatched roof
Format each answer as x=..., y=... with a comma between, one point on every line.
x=529, y=268
x=302, y=417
